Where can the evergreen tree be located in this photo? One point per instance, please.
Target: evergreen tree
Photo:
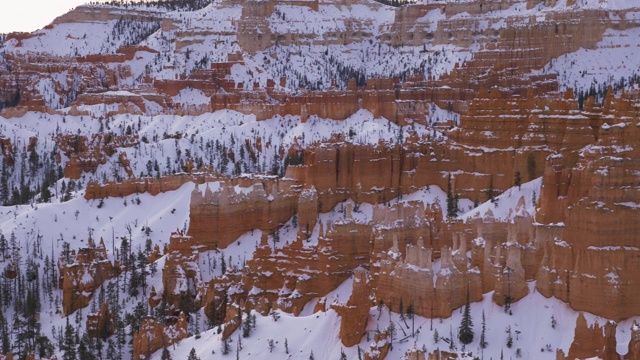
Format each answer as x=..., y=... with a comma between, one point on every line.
x=465, y=333
x=509, y=336
x=483, y=341
x=452, y=342
x=111, y=350
x=193, y=355
x=246, y=325
x=226, y=347
x=83, y=352
x=517, y=180
x=165, y=354
x=452, y=200
x=391, y=330
x=69, y=342
x=6, y=343
x=490, y=191
x=44, y=347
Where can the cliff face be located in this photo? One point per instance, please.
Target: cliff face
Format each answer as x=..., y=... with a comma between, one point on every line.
x=594, y=340
x=289, y=278
x=599, y=195
x=355, y=313
x=218, y=218
x=154, y=336
x=411, y=281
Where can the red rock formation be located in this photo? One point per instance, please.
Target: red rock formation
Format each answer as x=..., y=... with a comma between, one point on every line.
x=6, y=149
x=86, y=155
x=600, y=197
x=11, y=269
x=153, y=336
x=153, y=186
x=510, y=282
x=415, y=354
x=218, y=218
x=593, y=341
x=181, y=277
x=101, y=325
x=411, y=281
x=298, y=273
x=355, y=313
x=634, y=343
x=81, y=274
x=379, y=347
x=232, y=321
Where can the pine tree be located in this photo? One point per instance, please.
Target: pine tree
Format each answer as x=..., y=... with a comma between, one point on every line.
x=517, y=181
x=246, y=325
x=452, y=207
x=165, y=354
x=83, y=352
x=343, y=356
x=509, y=337
x=193, y=355
x=483, y=341
x=401, y=312
x=391, y=330
x=465, y=333
x=69, y=342
x=226, y=347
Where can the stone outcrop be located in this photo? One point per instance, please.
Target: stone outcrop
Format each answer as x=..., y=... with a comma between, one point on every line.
x=85, y=155
x=6, y=150
x=379, y=348
x=593, y=341
x=355, y=313
x=579, y=244
x=600, y=198
x=415, y=354
x=634, y=343
x=413, y=282
x=217, y=218
x=510, y=282
x=153, y=336
x=181, y=278
x=81, y=274
x=297, y=273
x=101, y=325
x=96, y=190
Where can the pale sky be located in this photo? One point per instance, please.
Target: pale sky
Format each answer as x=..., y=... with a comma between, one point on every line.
x=30, y=15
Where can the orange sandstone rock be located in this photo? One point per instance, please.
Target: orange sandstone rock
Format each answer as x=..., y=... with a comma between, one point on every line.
x=355, y=313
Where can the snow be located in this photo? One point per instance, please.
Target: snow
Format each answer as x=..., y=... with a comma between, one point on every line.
x=531, y=318
x=190, y=96
x=613, y=58
x=505, y=206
